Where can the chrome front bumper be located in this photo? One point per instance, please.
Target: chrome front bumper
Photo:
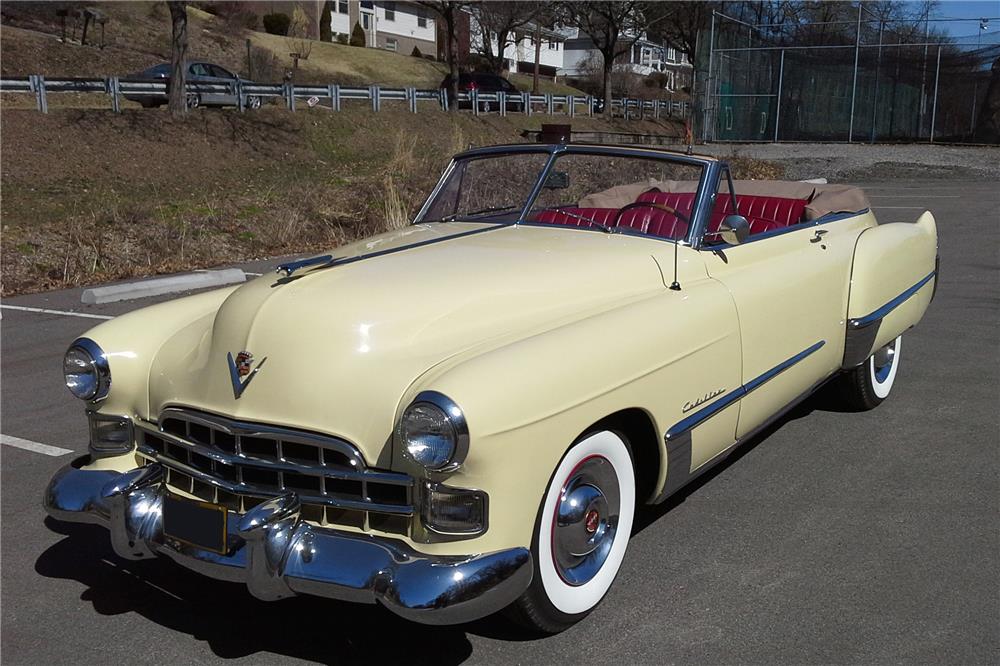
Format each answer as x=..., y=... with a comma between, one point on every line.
x=278, y=555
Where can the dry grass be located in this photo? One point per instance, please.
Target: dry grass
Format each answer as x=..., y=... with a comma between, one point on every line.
x=138, y=194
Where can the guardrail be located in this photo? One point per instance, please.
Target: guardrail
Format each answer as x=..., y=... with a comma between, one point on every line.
x=244, y=95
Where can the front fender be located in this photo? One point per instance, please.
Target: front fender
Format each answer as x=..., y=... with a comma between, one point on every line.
x=132, y=340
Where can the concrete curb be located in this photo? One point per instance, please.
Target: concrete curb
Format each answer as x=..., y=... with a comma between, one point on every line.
x=165, y=285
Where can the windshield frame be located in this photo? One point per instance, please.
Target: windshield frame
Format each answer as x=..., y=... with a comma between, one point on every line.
x=704, y=194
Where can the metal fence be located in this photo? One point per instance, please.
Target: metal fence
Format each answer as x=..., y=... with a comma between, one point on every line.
x=242, y=95
x=877, y=88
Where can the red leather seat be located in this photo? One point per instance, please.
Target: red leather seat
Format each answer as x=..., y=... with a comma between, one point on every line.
x=763, y=213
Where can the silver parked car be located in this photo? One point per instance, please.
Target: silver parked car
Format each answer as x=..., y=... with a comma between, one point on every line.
x=198, y=72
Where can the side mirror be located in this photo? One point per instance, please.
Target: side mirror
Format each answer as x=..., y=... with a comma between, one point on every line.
x=734, y=229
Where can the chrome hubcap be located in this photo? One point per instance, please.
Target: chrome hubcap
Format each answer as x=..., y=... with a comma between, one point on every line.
x=586, y=520
x=882, y=361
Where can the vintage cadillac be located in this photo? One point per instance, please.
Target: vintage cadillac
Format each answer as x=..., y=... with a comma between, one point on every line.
x=462, y=416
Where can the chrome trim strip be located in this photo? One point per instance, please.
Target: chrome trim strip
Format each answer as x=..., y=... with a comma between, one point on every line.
x=891, y=305
x=276, y=554
x=727, y=399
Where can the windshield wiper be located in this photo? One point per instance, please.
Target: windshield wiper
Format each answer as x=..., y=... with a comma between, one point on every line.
x=483, y=211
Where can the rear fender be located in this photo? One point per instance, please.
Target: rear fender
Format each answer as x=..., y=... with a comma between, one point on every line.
x=892, y=283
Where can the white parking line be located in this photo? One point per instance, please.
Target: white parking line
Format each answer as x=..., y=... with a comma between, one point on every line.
x=28, y=445
x=64, y=313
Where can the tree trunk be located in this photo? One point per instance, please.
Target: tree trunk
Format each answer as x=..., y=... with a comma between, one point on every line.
x=452, y=54
x=178, y=56
x=538, y=55
x=498, y=64
x=609, y=64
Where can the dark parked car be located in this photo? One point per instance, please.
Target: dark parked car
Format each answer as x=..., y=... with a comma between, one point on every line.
x=483, y=83
x=198, y=72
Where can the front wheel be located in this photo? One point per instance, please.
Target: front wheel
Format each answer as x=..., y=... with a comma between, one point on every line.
x=866, y=386
x=581, y=534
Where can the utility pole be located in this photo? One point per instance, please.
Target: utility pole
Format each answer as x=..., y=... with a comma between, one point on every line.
x=538, y=55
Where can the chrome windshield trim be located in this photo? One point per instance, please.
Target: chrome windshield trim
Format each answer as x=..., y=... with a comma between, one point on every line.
x=738, y=393
x=891, y=305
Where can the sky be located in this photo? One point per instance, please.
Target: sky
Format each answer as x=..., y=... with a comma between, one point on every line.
x=969, y=31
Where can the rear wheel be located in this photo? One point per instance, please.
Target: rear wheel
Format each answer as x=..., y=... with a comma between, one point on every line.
x=581, y=534
x=866, y=386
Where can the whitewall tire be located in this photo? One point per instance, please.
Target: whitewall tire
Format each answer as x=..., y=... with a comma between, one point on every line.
x=581, y=534
x=866, y=386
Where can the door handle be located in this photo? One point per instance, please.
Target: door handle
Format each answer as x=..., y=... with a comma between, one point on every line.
x=819, y=233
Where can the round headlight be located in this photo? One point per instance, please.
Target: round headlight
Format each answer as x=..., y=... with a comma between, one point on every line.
x=86, y=370
x=433, y=432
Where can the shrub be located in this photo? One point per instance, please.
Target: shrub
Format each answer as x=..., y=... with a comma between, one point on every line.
x=358, y=36
x=341, y=38
x=277, y=24
x=416, y=53
x=325, y=32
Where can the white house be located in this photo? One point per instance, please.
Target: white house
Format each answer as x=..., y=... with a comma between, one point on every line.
x=394, y=26
x=645, y=57
x=519, y=53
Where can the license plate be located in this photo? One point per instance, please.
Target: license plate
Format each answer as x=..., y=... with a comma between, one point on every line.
x=198, y=524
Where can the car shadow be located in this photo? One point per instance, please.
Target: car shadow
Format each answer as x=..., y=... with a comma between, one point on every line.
x=232, y=622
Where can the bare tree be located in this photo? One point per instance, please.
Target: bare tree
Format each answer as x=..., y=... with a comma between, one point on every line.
x=613, y=27
x=448, y=11
x=299, y=29
x=501, y=20
x=177, y=101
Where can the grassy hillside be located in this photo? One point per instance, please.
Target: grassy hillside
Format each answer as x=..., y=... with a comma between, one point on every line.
x=138, y=36
x=89, y=195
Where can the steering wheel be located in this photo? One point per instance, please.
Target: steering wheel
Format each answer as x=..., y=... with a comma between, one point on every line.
x=650, y=204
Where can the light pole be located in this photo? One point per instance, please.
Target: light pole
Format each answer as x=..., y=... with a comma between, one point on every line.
x=983, y=25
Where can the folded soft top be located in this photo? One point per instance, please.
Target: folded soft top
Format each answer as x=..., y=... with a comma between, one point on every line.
x=822, y=199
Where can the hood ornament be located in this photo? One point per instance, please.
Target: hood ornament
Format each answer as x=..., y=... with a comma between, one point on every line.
x=240, y=367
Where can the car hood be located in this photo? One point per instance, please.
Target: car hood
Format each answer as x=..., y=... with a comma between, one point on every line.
x=337, y=347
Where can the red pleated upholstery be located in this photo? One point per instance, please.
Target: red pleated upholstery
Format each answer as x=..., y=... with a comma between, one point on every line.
x=763, y=213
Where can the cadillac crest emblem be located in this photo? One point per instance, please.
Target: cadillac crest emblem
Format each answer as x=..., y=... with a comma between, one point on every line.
x=242, y=367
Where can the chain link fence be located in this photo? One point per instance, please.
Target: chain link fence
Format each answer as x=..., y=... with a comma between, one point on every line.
x=877, y=89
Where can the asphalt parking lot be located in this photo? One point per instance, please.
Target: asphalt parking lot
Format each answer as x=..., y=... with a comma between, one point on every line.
x=832, y=538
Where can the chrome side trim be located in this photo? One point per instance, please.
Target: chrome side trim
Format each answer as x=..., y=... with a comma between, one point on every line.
x=862, y=331
x=701, y=415
x=276, y=554
x=891, y=305
x=679, y=449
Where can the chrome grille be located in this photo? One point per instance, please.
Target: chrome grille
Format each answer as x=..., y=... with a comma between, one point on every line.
x=239, y=464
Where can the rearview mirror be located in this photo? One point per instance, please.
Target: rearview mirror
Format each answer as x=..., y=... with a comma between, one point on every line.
x=734, y=229
x=557, y=180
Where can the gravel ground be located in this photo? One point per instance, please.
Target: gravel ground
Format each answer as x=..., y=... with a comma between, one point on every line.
x=839, y=161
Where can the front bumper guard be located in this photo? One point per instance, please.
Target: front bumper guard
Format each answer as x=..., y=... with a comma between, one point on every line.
x=278, y=555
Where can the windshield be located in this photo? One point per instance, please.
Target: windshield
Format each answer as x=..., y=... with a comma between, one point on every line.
x=616, y=193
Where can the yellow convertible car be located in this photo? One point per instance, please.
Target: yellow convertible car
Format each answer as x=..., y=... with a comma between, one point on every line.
x=462, y=416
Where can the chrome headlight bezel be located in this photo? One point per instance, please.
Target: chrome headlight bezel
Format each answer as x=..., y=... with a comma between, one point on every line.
x=453, y=421
x=97, y=363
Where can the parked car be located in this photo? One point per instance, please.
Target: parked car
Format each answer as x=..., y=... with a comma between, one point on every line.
x=198, y=72
x=480, y=83
x=463, y=416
